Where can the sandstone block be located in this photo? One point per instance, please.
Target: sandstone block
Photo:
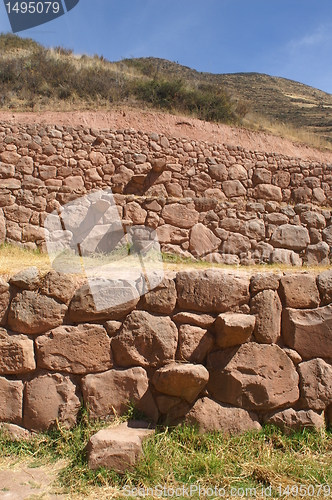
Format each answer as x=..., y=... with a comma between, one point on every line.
x=211, y=291
x=318, y=255
x=118, y=448
x=78, y=349
x=290, y=237
x=145, y=340
x=202, y=240
x=235, y=244
x=308, y=331
x=32, y=313
x=194, y=343
x=210, y=416
x=268, y=192
x=233, y=189
x=16, y=354
x=313, y=219
x=4, y=304
x=179, y=215
x=261, y=176
x=171, y=234
x=183, y=380
x=218, y=172
x=50, y=398
x=267, y=308
x=222, y=258
x=58, y=286
x=233, y=329
x=134, y=212
x=201, y=320
x=296, y=420
x=114, y=298
x=11, y=401
x=15, y=432
x=264, y=281
x=299, y=291
x=161, y=299
x=27, y=279
x=110, y=393
x=324, y=283
x=315, y=384
x=253, y=376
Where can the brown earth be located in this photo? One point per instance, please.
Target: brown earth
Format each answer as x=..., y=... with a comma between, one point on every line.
x=172, y=125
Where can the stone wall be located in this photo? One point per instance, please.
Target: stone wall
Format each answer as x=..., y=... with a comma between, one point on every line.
x=222, y=350
x=222, y=203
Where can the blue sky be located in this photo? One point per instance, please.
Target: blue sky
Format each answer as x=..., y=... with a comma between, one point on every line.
x=288, y=38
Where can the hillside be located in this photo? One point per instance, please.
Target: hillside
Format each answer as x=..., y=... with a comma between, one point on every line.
x=35, y=78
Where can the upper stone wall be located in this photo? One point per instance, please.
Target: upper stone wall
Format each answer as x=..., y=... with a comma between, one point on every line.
x=242, y=198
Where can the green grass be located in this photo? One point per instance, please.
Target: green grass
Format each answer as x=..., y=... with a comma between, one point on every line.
x=180, y=456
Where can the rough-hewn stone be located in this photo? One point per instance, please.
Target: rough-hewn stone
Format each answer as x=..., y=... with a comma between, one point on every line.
x=264, y=281
x=233, y=329
x=50, y=398
x=78, y=349
x=32, y=313
x=194, y=343
x=16, y=354
x=202, y=240
x=59, y=286
x=308, y=331
x=290, y=237
x=209, y=416
x=315, y=384
x=324, y=283
x=161, y=299
x=27, y=279
x=201, y=320
x=299, y=291
x=253, y=376
x=145, y=340
x=296, y=420
x=211, y=291
x=110, y=393
x=179, y=216
x=267, y=308
x=11, y=401
x=183, y=380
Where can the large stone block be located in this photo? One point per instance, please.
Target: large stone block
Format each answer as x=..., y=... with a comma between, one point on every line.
x=264, y=281
x=161, y=299
x=58, y=286
x=194, y=343
x=267, y=308
x=296, y=420
x=145, y=340
x=234, y=189
x=16, y=353
x=179, y=215
x=324, y=283
x=253, y=376
x=111, y=393
x=183, y=380
x=290, y=237
x=318, y=254
x=235, y=244
x=210, y=416
x=202, y=240
x=233, y=329
x=32, y=313
x=75, y=349
x=299, y=291
x=118, y=448
x=268, y=192
x=211, y=291
x=171, y=234
x=119, y=297
x=308, y=331
x=11, y=401
x=315, y=384
x=50, y=398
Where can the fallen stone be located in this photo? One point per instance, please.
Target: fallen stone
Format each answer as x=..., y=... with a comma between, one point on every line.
x=145, y=340
x=114, y=299
x=299, y=291
x=194, y=343
x=118, y=448
x=324, y=283
x=78, y=349
x=50, y=398
x=233, y=329
x=110, y=393
x=11, y=401
x=308, y=331
x=290, y=237
x=17, y=354
x=315, y=384
x=211, y=291
x=32, y=313
x=15, y=432
x=183, y=380
x=202, y=241
x=253, y=376
x=161, y=299
x=210, y=416
x=296, y=420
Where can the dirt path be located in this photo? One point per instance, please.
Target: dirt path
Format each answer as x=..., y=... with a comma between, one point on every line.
x=171, y=125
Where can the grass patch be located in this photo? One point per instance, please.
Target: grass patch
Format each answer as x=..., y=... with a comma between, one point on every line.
x=179, y=457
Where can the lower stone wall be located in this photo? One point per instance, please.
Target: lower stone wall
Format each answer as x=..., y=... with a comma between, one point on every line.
x=223, y=350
